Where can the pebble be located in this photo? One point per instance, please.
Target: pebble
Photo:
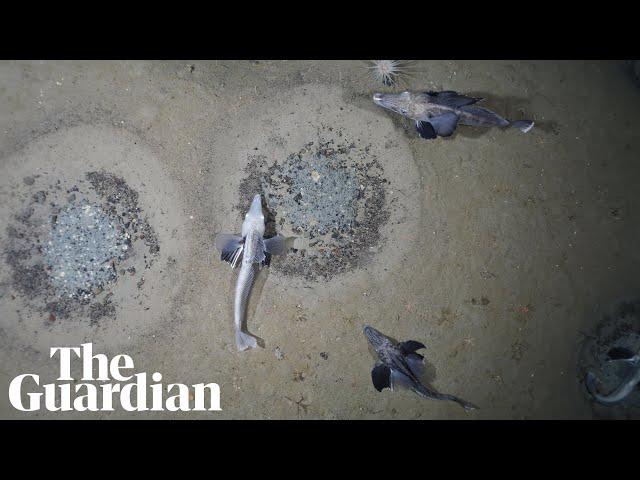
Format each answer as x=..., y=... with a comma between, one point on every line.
x=279, y=354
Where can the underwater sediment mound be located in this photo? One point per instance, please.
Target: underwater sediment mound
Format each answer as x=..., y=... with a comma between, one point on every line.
x=617, y=336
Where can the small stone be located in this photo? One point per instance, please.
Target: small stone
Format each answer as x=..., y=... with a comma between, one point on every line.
x=28, y=180
x=279, y=354
x=40, y=197
x=324, y=355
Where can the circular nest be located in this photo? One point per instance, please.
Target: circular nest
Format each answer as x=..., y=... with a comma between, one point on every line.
x=70, y=243
x=617, y=336
x=331, y=196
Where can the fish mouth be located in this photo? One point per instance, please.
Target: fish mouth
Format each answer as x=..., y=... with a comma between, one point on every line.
x=373, y=335
x=377, y=98
x=256, y=206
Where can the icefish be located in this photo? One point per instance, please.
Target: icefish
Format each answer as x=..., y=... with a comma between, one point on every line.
x=400, y=365
x=631, y=368
x=439, y=113
x=253, y=249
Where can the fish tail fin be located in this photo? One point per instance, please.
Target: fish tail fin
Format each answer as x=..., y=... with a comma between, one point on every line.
x=468, y=406
x=244, y=341
x=590, y=382
x=428, y=393
x=481, y=117
x=523, y=125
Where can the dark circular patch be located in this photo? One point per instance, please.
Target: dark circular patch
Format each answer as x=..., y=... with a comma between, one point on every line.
x=616, y=337
x=70, y=243
x=331, y=195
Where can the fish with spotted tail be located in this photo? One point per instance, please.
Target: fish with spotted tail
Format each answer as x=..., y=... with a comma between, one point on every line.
x=399, y=365
x=251, y=250
x=437, y=114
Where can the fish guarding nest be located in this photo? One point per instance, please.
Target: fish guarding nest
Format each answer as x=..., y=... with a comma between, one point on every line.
x=616, y=336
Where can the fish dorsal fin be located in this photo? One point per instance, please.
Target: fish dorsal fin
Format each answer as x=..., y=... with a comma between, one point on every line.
x=410, y=346
x=381, y=377
x=453, y=99
x=443, y=93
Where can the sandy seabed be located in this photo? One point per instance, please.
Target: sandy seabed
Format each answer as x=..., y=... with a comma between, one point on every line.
x=497, y=250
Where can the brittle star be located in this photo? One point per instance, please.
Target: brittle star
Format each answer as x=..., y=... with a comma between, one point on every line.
x=299, y=404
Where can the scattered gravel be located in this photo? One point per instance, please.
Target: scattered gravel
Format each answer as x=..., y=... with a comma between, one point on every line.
x=332, y=195
x=66, y=247
x=82, y=249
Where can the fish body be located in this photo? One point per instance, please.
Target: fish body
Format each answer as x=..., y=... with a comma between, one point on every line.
x=439, y=113
x=631, y=380
x=251, y=250
x=400, y=365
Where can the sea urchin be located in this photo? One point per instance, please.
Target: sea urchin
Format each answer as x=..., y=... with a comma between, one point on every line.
x=388, y=72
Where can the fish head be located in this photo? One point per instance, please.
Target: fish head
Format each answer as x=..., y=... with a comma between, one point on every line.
x=375, y=338
x=254, y=219
x=397, y=102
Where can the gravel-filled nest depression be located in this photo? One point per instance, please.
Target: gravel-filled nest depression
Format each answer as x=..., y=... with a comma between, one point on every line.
x=70, y=243
x=331, y=195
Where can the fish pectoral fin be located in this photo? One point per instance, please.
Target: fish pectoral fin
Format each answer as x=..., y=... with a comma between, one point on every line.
x=426, y=130
x=381, y=375
x=276, y=245
x=444, y=124
x=410, y=346
x=416, y=364
x=230, y=246
x=228, y=241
